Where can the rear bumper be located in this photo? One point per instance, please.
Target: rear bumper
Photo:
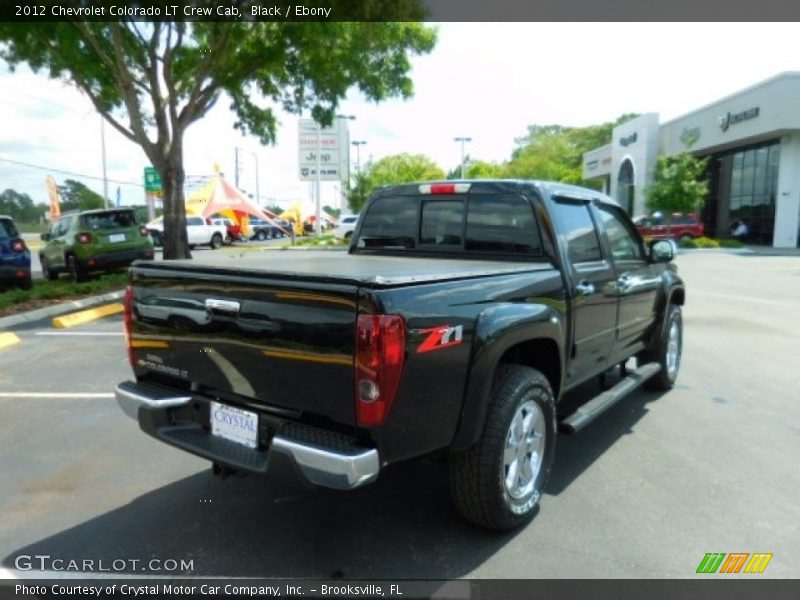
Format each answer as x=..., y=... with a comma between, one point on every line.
x=324, y=458
x=112, y=260
x=15, y=273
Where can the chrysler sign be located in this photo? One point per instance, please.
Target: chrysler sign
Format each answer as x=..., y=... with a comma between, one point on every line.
x=729, y=119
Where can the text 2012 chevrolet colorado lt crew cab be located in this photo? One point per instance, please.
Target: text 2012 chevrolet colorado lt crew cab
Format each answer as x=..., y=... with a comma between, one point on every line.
x=460, y=315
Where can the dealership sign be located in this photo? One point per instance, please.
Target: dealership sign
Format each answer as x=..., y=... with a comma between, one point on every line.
x=325, y=147
x=729, y=119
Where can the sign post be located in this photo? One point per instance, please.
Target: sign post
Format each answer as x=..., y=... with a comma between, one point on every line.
x=319, y=158
x=152, y=190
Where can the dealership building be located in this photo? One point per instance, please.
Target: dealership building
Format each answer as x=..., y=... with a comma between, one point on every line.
x=752, y=140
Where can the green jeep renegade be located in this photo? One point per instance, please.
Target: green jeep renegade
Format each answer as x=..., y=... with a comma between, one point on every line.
x=93, y=240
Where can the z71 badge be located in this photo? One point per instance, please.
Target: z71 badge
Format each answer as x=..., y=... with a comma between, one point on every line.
x=440, y=337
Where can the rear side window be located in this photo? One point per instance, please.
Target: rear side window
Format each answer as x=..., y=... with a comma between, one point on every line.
x=390, y=222
x=8, y=229
x=576, y=222
x=110, y=220
x=502, y=224
x=195, y=221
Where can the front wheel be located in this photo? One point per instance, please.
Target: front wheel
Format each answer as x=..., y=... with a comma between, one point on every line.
x=498, y=482
x=48, y=273
x=668, y=352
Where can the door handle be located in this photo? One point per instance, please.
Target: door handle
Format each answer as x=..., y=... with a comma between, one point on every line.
x=625, y=283
x=584, y=288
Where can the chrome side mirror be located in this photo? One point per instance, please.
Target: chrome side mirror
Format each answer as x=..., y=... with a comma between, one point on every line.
x=662, y=251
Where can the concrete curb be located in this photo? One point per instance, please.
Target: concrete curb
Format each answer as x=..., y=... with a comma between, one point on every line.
x=58, y=309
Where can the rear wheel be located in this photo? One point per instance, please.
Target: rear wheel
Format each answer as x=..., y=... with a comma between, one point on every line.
x=261, y=235
x=76, y=272
x=668, y=352
x=498, y=482
x=216, y=241
x=47, y=272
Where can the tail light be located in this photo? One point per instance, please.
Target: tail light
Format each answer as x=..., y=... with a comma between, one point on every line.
x=83, y=238
x=18, y=246
x=143, y=231
x=127, y=319
x=380, y=354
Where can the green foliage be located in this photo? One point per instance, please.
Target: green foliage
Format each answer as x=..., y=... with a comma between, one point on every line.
x=678, y=185
x=151, y=81
x=555, y=152
x=701, y=242
x=324, y=240
x=19, y=206
x=76, y=196
x=62, y=289
x=395, y=169
x=729, y=243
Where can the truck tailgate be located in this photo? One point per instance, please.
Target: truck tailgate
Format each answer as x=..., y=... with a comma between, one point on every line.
x=268, y=342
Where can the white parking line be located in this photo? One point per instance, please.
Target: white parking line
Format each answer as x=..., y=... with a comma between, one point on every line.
x=87, y=333
x=55, y=395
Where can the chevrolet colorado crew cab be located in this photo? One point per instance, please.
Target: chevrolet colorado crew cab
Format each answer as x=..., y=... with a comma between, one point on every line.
x=460, y=315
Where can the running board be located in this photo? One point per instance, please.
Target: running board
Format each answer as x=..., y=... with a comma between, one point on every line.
x=602, y=402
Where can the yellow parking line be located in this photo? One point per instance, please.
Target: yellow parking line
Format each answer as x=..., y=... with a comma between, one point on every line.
x=8, y=339
x=85, y=316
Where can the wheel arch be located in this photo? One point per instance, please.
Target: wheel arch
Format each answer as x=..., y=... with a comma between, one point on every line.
x=530, y=335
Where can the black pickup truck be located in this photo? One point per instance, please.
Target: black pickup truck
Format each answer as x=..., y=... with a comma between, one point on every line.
x=461, y=314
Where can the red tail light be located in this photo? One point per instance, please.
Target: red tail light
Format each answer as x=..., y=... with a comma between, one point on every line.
x=83, y=238
x=128, y=320
x=18, y=246
x=380, y=354
x=143, y=231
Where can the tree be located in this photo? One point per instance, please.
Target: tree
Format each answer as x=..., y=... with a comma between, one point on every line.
x=555, y=152
x=398, y=168
x=76, y=196
x=679, y=185
x=20, y=206
x=151, y=81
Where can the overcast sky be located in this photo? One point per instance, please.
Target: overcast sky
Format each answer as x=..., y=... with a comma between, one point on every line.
x=485, y=81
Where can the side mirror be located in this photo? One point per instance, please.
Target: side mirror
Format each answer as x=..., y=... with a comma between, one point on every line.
x=662, y=251
x=45, y=237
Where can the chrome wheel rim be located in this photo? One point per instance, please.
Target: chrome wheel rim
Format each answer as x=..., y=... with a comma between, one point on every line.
x=524, y=450
x=673, y=349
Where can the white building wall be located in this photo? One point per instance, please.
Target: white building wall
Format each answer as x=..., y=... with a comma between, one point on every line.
x=637, y=141
x=787, y=202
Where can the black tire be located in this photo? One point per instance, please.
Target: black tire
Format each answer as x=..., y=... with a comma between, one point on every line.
x=216, y=241
x=667, y=353
x=47, y=272
x=261, y=235
x=479, y=477
x=76, y=272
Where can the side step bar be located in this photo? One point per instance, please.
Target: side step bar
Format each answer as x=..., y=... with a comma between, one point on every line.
x=602, y=402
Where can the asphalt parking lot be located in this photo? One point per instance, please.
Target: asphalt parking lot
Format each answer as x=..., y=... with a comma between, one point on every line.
x=644, y=492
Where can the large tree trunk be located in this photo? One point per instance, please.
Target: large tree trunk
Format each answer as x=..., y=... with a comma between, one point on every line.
x=176, y=244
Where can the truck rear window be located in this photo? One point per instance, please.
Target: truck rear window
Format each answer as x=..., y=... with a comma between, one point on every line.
x=8, y=229
x=494, y=224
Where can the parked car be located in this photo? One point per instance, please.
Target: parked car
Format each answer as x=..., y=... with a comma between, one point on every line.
x=459, y=318
x=15, y=258
x=94, y=240
x=233, y=231
x=681, y=227
x=199, y=232
x=263, y=229
x=346, y=227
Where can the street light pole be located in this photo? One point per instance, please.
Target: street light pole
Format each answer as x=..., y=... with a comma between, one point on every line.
x=462, y=140
x=345, y=140
x=258, y=191
x=103, y=149
x=358, y=144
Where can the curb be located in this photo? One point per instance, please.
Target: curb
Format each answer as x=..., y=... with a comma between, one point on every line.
x=52, y=311
x=85, y=316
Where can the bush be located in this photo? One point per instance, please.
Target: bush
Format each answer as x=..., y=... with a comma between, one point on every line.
x=730, y=243
x=701, y=242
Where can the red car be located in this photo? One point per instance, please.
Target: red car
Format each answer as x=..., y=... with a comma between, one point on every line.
x=681, y=227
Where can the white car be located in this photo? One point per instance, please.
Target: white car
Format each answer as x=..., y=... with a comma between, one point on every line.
x=198, y=232
x=347, y=225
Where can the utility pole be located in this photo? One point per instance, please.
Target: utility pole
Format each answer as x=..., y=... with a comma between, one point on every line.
x=103, y=149
x=258, y=192
x=358, y=144
x=236, y=170
x=462, y=140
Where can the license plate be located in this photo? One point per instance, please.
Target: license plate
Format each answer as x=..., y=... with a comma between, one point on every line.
x=116, y=237
x=234, y=424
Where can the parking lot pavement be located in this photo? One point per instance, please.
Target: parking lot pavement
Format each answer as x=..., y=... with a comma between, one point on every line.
x=645, y=491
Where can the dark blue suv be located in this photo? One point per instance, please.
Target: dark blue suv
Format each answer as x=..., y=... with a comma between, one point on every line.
x=15, y=258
